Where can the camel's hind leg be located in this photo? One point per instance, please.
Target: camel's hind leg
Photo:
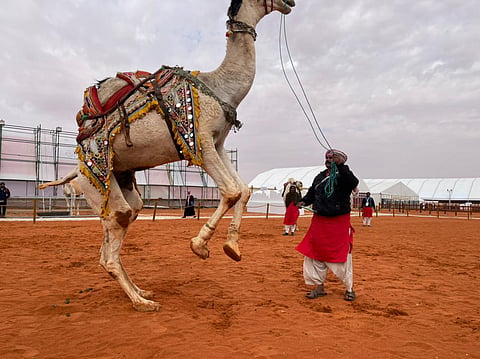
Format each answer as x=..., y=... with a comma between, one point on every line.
x=124, y=206
x=132, y=196
x=230, y=192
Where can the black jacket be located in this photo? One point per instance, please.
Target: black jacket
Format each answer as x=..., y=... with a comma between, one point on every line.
x=371, y=202
x=339, y=201
x=4, y=194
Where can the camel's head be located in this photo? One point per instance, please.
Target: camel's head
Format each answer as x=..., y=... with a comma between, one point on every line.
x=268, y=6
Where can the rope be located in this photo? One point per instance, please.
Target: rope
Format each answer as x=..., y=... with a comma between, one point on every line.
x=329, y=187
x=319, y=129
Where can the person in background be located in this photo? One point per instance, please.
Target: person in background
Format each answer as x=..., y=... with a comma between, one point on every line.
x=189, y=206
x=368, y=206
x=292, y=212
x=286, y=187
x=4, y=196
x=329, y=239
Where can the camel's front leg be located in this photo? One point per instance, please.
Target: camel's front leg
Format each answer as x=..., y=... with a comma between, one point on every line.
x=231, y=247
x=230, y=193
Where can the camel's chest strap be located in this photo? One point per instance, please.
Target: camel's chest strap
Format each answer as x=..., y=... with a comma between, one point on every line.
x=229, y=111
x=167, y=117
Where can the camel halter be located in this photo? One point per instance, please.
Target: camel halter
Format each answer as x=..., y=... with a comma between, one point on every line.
x=266, y=8
x=235, y=26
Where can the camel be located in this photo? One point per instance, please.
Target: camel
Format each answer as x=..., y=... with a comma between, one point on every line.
x=147, y=143
x=72, y=193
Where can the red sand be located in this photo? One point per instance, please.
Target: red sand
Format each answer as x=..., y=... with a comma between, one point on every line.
x=417, y=282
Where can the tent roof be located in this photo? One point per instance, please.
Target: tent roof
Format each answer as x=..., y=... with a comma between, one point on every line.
x=391, y=187
x=438, y=189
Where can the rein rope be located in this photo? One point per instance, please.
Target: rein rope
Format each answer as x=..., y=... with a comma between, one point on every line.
x=318, y=128
x=332, y=176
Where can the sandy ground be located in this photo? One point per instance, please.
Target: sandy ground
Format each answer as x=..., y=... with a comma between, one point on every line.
x=417, y=282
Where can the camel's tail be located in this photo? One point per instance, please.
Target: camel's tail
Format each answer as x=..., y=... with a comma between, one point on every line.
x=70, y=176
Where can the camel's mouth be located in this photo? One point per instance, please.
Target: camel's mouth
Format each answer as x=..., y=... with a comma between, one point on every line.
x=287, y=7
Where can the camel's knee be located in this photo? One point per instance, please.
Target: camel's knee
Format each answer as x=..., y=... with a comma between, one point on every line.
x=246, y=193
x=123, y=218
x=232, y=197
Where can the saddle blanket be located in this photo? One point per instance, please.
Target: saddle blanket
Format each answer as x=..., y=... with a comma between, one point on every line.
x=99, y=124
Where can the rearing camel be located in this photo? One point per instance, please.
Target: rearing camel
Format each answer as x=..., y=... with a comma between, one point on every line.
x=147, y=142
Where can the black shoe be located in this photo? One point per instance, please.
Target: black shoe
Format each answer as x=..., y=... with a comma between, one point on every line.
x=293, y=233
x=285, y=234
x=316, y=293
x=350, y=296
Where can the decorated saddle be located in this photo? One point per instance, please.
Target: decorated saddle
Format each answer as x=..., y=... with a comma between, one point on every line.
x=172, y=92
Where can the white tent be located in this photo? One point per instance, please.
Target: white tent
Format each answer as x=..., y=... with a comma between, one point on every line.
x=439, y=189
x=267, y=187
x=392, y=189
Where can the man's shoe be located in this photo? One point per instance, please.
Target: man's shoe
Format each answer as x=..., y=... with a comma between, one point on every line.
x=350, y=296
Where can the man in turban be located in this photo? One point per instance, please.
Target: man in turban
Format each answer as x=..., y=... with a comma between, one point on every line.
x=329, y=239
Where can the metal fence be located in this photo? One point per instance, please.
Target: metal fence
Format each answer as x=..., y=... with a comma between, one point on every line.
x=33, y=155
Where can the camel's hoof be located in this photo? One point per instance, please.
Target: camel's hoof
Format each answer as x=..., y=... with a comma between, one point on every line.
x=147, y=306
x=231, y=249
x=147, y=294
x=199, y=247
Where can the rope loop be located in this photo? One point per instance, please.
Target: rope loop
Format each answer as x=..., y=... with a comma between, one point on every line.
x=329, y=186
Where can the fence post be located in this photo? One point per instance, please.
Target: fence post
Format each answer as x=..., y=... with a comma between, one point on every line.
x=35, y=211
x=268, y=208
x=198, y=213
x=154, y=211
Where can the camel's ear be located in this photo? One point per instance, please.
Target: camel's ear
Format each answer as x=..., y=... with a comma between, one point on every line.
x=234, y=7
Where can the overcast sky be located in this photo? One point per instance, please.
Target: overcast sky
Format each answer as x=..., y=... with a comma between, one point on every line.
x=395, y=84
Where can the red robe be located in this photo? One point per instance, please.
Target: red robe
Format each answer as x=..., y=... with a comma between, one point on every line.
x=291, y=215
x=329, y=239
x=367, y=211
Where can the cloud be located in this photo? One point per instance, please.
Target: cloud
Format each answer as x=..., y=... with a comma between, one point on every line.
x=395, y=84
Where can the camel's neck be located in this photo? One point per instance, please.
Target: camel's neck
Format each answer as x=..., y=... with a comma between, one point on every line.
x=232, y=80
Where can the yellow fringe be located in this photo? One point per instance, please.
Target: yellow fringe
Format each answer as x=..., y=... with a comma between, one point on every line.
x=196, y=104
x=105, y=210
